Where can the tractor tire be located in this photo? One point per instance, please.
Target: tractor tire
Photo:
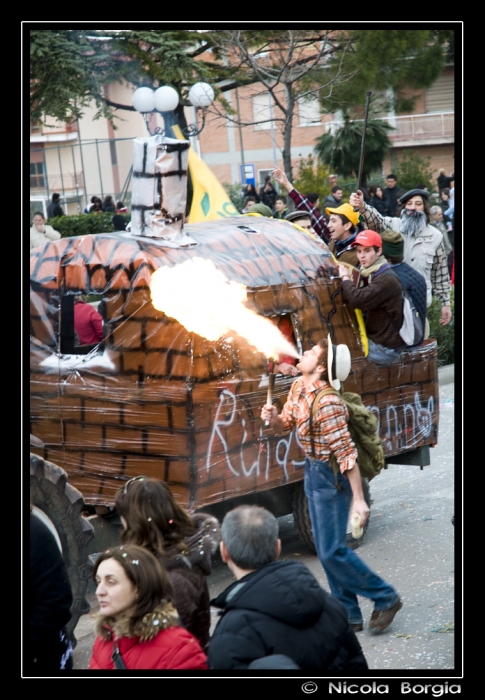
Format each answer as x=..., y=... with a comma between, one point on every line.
x=303, y=525
x=51, y=493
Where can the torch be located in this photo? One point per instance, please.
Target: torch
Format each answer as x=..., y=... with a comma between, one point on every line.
x=269, y=398
x=362, y=147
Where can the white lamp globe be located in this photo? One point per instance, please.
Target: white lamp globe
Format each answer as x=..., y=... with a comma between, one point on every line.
x=166, y=99
x=143, y=100
x=201, y=95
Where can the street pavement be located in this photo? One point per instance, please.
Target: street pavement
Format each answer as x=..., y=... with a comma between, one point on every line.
x=410, y=542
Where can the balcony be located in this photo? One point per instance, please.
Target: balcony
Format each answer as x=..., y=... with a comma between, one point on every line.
x=67, y=182
x=53, y=131
x=418, y=129
x=423, y=129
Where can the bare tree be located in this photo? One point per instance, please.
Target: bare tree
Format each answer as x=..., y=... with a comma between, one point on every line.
x=290, y=65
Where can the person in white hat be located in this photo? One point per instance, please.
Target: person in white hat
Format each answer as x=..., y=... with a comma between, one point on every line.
x=330, y=495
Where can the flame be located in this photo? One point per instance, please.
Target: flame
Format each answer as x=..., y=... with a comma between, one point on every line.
x=203, y=300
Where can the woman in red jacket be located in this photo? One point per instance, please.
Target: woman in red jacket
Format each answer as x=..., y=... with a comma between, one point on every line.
x=137, y=626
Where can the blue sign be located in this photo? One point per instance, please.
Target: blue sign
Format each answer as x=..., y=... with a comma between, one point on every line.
x=248, y=176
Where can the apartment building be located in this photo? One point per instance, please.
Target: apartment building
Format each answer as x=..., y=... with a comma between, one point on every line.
x=225, y=147
x=90, y=157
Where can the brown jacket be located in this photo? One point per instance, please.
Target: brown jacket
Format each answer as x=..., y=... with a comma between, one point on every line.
x=381, y=301
x=347, y=256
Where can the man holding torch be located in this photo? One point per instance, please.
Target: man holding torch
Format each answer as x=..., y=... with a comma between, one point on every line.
x=330, y=495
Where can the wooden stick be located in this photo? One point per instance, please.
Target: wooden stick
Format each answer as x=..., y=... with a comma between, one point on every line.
x=269, y=397
x=362, y=147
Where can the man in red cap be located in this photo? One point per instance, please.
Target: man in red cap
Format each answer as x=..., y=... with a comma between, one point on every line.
x=423, y=243
x=379, y=296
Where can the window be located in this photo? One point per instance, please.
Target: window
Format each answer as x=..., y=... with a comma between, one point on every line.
x=262, y=174
x=37, y=175
x=262, y=109
x=440, y=97
x=84, y=338
x=309, y=112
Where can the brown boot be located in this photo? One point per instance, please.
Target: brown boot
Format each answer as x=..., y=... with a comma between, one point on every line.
x=381, y=619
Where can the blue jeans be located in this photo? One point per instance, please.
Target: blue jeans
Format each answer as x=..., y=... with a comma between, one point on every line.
x=348, y=576
x=382, y=355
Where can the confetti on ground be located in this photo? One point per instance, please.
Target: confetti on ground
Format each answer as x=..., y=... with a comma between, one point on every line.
x=405, y=636
x=448, y=627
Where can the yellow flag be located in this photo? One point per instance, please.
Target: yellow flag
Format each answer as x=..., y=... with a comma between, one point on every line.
x=210, y=200
x=354, y=274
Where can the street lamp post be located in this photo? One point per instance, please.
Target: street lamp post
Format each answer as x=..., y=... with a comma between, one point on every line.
x=165, y=101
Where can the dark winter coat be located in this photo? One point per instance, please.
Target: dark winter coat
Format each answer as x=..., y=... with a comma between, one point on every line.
x=392, y=195
x=54, y=209
x=48, y=604
x=282, y=609
x=382, y=304
x=268, y=196
x=443, y=182
x=331, y=203
x=414, y=281
x=382, y=205
x=159, y=643
x=188, y=570
x=251, y=192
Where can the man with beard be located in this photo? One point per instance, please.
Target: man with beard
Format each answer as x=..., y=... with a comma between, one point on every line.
x=423, y=243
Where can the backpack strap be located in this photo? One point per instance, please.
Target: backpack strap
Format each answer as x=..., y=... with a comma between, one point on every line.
x=383, y=268
x=313, y=414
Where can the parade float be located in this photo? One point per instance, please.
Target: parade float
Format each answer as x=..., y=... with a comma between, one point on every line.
x=175, y=388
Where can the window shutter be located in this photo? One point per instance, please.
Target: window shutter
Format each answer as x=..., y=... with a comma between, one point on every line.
x=440, y=97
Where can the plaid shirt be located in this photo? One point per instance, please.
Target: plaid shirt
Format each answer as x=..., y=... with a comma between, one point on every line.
x=330, y=430
x=318, y=222
x=439, y=276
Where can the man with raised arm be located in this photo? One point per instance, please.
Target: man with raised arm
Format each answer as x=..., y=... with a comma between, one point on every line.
x=302, y=203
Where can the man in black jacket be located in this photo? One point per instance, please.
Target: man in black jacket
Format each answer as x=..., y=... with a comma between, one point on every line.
x=332, y=200
x=54, y=208
x=392, y=193
x=276, y=607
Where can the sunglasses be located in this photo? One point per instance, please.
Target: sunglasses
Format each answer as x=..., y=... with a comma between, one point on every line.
x=130, y=481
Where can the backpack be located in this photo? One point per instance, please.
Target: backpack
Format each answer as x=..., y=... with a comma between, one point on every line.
x=412, y=329
x=362, y=425
x=413, y=326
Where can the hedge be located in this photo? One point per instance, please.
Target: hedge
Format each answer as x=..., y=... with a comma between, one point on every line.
x=84, y=224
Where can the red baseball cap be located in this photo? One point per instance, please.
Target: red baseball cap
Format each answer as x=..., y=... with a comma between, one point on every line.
x=368, y=238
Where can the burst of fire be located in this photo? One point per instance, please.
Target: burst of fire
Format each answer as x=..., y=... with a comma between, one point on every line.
x=204, y=301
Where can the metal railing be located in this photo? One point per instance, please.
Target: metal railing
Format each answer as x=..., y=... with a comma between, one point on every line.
x=80, y=169
x=415, y=127
x=66, y=182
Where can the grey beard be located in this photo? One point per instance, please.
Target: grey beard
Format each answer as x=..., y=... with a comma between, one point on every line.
x=412, y=222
